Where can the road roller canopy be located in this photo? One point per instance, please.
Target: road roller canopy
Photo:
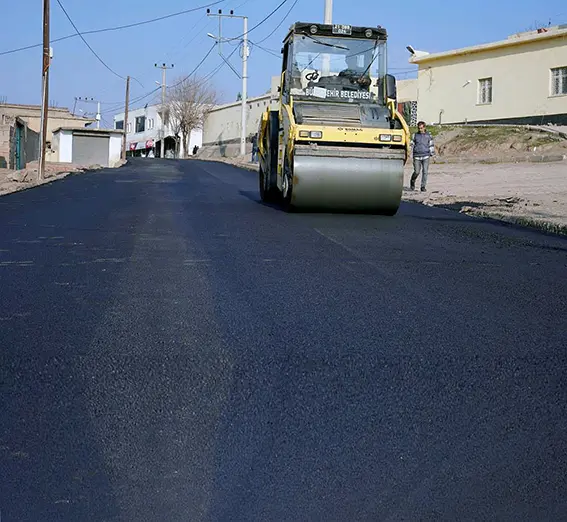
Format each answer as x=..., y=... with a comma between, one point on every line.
x=335, y=63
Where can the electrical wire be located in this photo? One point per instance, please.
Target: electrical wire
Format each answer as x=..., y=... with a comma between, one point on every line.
x=261, y=21
x=86, y=43
x=280, y=24
x=266, y=50
x=142, y=97
x=120, y=105
x=219, y=67
x=195, y=69
x=116, y=28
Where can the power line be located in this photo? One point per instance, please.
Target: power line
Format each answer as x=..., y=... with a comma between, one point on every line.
x=116, y=28
x=262, y=21
x=266, y=50
x=140, y=98
x=280, y=24
x=132, y=102
x=219, y=67
x=195, y=69
x=86, y=43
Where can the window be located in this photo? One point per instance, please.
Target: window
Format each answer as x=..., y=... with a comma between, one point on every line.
x=485, y=91
x=128, y=128
x=151, y=123
x=559, y=81
x=119, y=125
x=140, y=123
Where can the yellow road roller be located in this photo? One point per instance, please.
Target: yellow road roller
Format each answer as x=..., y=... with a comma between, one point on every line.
x=336, y=142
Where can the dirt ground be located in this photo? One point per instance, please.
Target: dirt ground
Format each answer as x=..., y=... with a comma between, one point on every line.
x=497, y=143
x=529, y=193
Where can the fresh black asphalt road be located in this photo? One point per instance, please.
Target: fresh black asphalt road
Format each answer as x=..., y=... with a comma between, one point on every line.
x=174, y=350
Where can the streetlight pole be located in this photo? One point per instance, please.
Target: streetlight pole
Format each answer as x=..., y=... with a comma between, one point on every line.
x=125, y=124
x=163, y=68
x=244, y=87
x=245, y=53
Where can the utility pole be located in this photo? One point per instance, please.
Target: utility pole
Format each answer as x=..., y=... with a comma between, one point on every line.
x=245, y=53
x=45, y=89
x=163, y=68
x=126, y=117
x=244, y=86
x=91, y=100
x=328, y=11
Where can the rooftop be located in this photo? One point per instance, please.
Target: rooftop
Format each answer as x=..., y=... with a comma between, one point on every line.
x=88, y=130
x=547, y=33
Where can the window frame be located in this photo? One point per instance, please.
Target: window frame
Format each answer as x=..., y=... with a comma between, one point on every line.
x=562, y=75
x=140, y=123
x=490, y=91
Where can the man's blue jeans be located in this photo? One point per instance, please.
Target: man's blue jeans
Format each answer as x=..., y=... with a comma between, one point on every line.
x=423, y=166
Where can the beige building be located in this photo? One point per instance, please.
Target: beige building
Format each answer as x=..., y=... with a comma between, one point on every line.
x=19, y=127
x=221, y=130
x=31, y=114
x=520, y=80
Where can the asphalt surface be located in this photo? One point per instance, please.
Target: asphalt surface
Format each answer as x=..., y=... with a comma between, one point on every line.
x=174, y=350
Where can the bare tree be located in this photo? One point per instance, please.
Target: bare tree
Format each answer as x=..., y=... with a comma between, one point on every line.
x=189, y=101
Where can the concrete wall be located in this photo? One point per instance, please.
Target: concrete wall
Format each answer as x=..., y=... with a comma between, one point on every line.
x=29, y=146
x=521, y=85
x=64, y=151
x=30, y=149
x=4, y=145
x=31, y=114
x=224, y=123
x=407, y=90
x=115, y=149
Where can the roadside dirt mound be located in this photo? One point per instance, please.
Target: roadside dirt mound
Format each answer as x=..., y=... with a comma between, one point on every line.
x=487, y=142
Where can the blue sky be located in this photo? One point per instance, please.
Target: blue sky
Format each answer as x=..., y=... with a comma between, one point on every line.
x=429, y=25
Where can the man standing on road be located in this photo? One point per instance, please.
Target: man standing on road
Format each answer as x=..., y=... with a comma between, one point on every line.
x=423, y=150
x=254, y=141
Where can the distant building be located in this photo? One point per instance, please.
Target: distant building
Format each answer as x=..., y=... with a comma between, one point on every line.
x=520, y=80
x=31, y=114
x=144, y=133
x=407, y=99
x=82, y=146
x=20, y=129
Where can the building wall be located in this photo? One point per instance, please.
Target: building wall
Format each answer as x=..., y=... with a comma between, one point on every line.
x=4, y=145
x=30, y=148
x=154, y=131
x=521, y=82
x=115, y=149
x=63, y=146
x=31, y=114
x=64, y=152
x=222, y=125
x=407, y=90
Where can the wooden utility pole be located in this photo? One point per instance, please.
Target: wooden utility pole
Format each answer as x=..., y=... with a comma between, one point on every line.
x=126, y=117
x=45, y=89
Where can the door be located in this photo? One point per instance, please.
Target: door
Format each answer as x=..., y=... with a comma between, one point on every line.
x=18, y=153
x=91, y=149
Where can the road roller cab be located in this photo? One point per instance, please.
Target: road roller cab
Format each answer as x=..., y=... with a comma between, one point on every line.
x=337, y=140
